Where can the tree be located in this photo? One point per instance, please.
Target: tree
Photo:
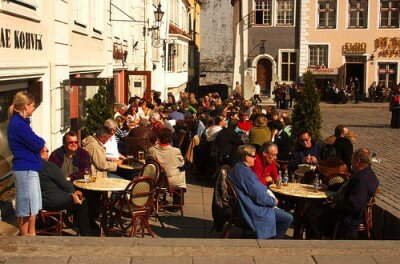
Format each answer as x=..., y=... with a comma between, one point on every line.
x=306, y=112
x=98, y=110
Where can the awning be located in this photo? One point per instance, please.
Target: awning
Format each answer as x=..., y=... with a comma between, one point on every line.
x=175, y=30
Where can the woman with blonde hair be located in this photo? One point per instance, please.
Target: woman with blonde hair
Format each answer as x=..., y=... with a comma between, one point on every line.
x=260, y=133
x=26, y=148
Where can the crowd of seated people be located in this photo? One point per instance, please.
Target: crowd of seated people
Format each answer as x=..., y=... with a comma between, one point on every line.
x=251, y=140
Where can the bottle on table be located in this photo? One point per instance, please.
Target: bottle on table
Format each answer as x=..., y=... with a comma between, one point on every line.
x=285, y=178
x=86, y=174
x=316, y=183
x=279, y=182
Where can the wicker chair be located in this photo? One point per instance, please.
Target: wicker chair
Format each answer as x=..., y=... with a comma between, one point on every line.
x=163, y=189
x=151, y=169
x=50, y=222
x=137, y=205
x=234, y=217
x=365, y=228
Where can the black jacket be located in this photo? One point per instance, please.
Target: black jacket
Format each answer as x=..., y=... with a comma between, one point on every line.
x=351, y=200
x=344, y=150
x=226, y=143
x=56, y=190
x=284, y=146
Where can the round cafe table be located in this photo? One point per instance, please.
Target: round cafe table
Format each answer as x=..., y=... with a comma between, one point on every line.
x=103, y=185
x=304, y=197
x=301, y=191
x=132, y=169
x=135, y=166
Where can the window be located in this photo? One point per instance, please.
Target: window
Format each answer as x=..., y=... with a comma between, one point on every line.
x=263, y=12
x=318, y=56
x=171, y=57
x=358, y=13
x=174, y=11
x=178, y=56
x=288, y=66
x=387, y=73
x=98, y=16
x=170, y=11
x=327, y=13
x=285, y=13
x=81, y=12
x=184, y=19
x=7, y=93
x=389, y=14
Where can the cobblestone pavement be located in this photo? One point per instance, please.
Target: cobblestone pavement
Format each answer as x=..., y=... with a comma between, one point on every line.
x=371, y=122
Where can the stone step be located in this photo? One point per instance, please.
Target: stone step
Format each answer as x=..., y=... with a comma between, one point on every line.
x=147, y=250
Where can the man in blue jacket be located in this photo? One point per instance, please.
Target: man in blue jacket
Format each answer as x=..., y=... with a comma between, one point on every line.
x=257, y=206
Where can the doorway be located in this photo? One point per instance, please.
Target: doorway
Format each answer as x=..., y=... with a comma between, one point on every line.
x=264, y=75
x=356, y=68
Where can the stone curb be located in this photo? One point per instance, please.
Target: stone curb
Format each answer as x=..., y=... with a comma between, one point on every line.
x=125, y=250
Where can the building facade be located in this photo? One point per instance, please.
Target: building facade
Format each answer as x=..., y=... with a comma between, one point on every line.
x=194, y=46
x=216, y=52
x=62, y=51
x=266, y=43
x=341, y=40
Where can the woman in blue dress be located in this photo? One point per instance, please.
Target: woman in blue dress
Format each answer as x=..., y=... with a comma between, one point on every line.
x=26, y=147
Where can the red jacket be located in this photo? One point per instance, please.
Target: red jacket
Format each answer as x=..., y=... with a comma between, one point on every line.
x=245, y=125
x=262, y=170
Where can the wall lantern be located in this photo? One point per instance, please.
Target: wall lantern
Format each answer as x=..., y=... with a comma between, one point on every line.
x=158, y=15
x=262, y=47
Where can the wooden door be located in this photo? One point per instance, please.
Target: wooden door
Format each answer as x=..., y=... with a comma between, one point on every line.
x=264, y=75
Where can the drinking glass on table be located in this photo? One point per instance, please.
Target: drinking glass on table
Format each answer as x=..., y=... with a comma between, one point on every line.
x=86, y=174
x=141, y=155
x=297, y=183
x=129, y=160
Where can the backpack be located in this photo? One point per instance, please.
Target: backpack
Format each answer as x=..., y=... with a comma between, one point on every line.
x=396, y=100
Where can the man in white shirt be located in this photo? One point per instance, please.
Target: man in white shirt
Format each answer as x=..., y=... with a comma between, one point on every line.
x=213, y=131
x=112, y=153
x=257, y=91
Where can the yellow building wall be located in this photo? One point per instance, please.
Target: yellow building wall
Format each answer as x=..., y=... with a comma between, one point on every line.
x=341, y=35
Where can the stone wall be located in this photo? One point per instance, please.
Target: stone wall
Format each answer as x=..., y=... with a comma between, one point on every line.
x=216, y=53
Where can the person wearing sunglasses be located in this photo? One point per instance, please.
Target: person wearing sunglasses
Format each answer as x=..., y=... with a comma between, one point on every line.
x=59, y=194
x=265, y=166
x=307, y=151
x=70, y=158
x=259, y=208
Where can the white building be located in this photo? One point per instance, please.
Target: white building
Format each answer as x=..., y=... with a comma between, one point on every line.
x=59, y=51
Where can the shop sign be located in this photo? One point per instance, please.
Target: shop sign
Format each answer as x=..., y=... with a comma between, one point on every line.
x=17, y=39
x=323, y=71
x=354, y=48
x=389, y=47
x=386, y=71
x=119, y=53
